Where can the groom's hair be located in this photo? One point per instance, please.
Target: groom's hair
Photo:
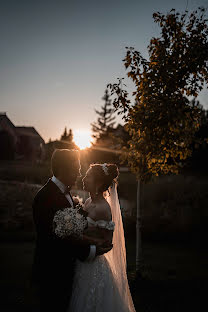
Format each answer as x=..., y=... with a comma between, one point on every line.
x=63, y=158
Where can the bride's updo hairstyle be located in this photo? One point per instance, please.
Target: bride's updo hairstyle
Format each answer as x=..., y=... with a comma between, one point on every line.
x=104, y=174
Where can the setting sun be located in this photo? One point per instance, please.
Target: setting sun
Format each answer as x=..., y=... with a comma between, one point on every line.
x=82, y=138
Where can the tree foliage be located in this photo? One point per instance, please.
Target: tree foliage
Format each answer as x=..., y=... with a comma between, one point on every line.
x=66, y=141
x=105, y=122
x=198, y=161
x=67, y=137
x=162, y=121
x=105, y=133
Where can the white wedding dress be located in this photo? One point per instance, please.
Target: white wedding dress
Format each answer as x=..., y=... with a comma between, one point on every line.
x=102, y=285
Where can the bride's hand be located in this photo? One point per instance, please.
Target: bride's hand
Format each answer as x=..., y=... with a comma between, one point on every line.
x=98, y=242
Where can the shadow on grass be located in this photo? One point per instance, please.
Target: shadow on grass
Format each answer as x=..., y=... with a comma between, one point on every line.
x=167, y=283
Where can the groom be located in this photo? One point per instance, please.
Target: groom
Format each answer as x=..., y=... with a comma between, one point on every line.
x=54, y=257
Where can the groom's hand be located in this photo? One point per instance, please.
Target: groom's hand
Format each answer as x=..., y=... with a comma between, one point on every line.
x=100, y=250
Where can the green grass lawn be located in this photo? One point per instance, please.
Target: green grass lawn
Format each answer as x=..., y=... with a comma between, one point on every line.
x=174, y=277
x=174, y=274
x=24, y=171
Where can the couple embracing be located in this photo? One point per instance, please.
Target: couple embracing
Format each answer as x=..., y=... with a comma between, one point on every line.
x=86, y=273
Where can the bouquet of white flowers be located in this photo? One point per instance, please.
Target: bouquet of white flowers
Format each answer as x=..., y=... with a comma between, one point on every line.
x=69, y=222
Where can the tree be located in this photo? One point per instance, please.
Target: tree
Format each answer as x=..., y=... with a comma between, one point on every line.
x=64, y=135
x=70, y=136
x=161, y=122
x=66, y=141
x=67, y=137
x=105, y=121
x=198, y=160
x=103, y=132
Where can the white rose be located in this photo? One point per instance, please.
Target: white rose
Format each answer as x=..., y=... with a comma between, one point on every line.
x=67, y=218
x=78, y=216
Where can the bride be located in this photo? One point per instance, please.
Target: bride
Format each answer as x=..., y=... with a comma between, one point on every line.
x=102, y=285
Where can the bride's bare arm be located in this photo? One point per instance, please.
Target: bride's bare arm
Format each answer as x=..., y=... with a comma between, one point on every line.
x=98, y=234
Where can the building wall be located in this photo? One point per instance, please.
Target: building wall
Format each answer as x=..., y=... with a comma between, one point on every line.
x=15, y=145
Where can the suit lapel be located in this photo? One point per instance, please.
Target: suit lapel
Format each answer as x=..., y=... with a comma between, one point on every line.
x=60, y=200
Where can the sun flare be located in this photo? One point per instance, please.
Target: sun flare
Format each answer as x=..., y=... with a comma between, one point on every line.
x=82, y=138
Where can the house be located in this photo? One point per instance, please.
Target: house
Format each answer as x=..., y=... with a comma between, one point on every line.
x=19, y=142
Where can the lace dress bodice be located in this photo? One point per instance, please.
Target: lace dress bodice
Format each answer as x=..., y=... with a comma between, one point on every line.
x=109, y=225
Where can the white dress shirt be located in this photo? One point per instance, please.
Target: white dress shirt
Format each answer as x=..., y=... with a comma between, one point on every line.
x=63, y=188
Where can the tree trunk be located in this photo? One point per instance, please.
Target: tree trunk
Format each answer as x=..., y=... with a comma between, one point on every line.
x=138, y=229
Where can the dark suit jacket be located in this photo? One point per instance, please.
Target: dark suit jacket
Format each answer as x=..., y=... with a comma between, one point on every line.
x=54, y=258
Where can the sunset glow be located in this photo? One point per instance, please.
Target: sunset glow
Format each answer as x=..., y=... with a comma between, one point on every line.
x=82, y=138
